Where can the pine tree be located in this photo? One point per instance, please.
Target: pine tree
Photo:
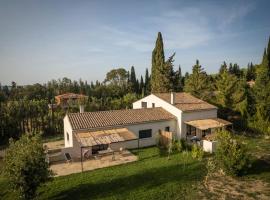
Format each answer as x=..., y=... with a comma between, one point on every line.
x=262, y=86
x=158, y=79
x=197, y=82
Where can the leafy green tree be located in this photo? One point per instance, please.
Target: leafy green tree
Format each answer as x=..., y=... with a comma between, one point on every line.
x=128, y=99
x=223, y=67
x=197, y=82
x=26, y=166
x=231, y=155
x=117, y=77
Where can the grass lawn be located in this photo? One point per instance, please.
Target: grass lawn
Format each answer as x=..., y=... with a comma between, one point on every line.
x=152, y=177
x=52, y=138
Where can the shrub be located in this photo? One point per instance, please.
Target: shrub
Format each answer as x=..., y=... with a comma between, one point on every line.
x=25, y=165
x=231, y=154
x=180, y=145
x=197, y=152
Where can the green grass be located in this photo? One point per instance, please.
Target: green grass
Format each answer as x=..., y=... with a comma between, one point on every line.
x=152, y=177
x=52, y=138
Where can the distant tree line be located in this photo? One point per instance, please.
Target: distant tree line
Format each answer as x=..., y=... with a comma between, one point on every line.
x=25, y=108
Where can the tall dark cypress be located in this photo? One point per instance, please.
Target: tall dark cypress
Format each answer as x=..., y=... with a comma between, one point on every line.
x=158, y=60
x=133, y=80
x=147, y=86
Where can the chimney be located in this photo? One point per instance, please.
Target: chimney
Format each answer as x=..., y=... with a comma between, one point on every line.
x=81, y=108
x=172, y=98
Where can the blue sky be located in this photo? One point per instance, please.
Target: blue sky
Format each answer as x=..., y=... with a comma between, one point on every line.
x=42, y=40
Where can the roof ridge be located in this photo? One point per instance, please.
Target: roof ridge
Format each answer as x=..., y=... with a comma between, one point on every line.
x=103, y=111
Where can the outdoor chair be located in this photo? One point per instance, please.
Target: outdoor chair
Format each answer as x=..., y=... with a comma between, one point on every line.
x=68, y=158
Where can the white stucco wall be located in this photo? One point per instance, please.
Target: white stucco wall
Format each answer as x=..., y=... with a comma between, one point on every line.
x=165, y=105
x=180, y=116
x=68, y=129
x=75, y=151
x=195, y=115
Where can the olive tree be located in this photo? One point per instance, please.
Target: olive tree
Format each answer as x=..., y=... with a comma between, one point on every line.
x=25, y=165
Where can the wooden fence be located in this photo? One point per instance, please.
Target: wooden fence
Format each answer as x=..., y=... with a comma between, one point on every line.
x=165, y=138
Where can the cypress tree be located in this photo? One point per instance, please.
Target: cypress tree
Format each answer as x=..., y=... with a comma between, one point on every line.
x=158, y=61
x=251, y=73
x=147, y=86
x=133, y=80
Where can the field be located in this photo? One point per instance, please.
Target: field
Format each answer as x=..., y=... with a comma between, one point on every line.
x=156, y=177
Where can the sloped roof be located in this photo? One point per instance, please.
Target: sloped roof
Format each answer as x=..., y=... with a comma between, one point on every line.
x=186, y=102
x=102, y=119
x=70, y=96
x=204, y=124
x=93, y=138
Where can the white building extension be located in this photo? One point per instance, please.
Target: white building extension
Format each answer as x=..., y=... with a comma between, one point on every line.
x=180, y=113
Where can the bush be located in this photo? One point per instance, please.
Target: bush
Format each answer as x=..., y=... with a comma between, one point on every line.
x=231, y=154
x=180, y=145
x=197, y=152
x=25, y=165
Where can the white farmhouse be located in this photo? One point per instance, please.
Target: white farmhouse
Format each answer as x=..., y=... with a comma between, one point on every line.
x=180, y=113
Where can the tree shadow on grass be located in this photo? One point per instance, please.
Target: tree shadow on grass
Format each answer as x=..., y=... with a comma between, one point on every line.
x=260, y=166
x=146, y=180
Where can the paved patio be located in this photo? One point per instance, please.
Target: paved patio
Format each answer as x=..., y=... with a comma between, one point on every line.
x=62, y=169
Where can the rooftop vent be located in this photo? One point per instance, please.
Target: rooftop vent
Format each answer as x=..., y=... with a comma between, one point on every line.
x=172, y=98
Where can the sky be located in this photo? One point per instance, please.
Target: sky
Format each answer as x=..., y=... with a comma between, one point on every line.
x=43, y=40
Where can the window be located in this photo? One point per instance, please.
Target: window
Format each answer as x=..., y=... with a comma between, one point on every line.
x=67, y=137
x=206, y=132
x=191, y=130
x=153, y=105
x=145, y=133
x=144, y=104
x=167, y=128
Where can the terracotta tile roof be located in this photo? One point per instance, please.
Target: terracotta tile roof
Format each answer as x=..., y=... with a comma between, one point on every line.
x=70, y=96
x=204, y=124
x=93, y=138
x=186, y=102
x=103, y=119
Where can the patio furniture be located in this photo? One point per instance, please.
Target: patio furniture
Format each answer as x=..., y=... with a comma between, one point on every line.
x=104, y=152
x=121, y=149
x=87, y=154
x=68, y=158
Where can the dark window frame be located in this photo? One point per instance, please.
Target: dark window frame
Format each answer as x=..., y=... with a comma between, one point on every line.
x=191, y=130
x=144, y=104
x=167, y=128
x=153, y=105
x=146, y=133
